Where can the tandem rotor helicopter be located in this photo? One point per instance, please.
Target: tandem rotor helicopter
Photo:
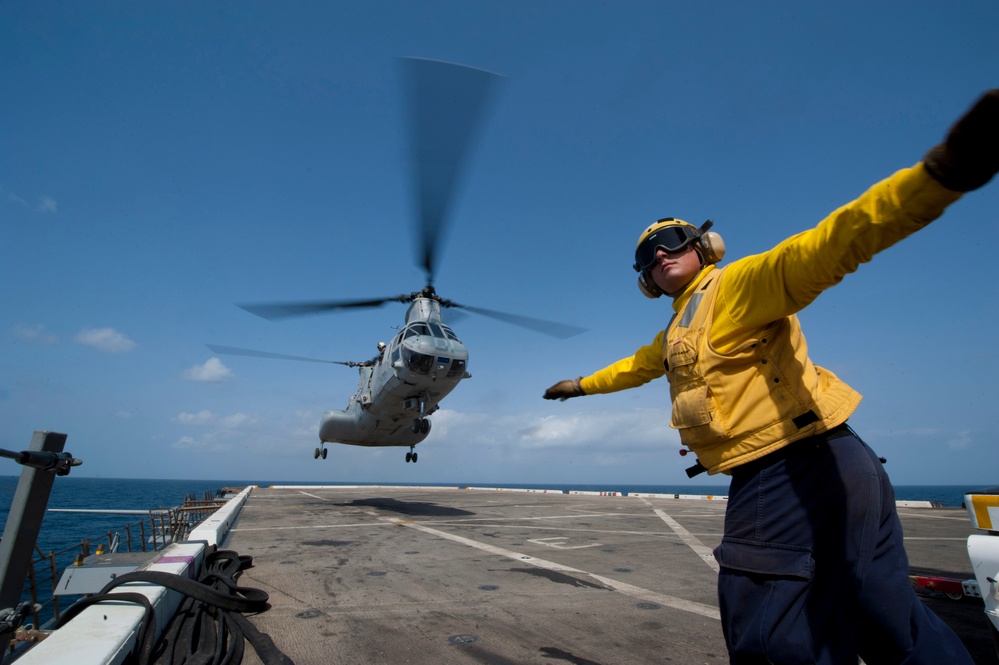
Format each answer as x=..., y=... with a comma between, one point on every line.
x=404, y=384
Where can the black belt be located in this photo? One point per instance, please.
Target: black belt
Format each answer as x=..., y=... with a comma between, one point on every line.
x=804, y=420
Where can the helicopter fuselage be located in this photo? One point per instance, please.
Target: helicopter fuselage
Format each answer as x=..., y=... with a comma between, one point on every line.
x=399, y=389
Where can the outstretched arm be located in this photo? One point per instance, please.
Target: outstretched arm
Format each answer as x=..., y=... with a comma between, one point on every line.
x=765, y=287
x=644, y=366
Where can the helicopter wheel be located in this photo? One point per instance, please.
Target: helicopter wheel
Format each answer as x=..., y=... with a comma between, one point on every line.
x=409, y=457
x=425, y=426
x=325, y=450
x=316, y=454
x=414, y=458
x=417, y=426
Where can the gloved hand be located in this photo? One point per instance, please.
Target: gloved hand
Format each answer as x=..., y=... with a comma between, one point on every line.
x=563, y=390
x=969, y=157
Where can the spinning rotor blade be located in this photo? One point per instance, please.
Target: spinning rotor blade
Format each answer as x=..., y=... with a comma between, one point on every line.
x=551, y=328
x=447, y=103
x=236, y=351
x=284, y=310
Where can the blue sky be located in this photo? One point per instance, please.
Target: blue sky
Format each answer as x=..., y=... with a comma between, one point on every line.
x=160, y=161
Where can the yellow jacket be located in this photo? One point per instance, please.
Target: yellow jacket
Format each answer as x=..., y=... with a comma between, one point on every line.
x=756, y=293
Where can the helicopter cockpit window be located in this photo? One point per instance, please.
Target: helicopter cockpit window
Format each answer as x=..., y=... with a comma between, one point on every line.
x=419, y=363
x=417, y=329
x=441, y=331
x=449, y=333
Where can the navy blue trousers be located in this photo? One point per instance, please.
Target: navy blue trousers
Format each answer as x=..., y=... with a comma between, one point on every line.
x=813, y=568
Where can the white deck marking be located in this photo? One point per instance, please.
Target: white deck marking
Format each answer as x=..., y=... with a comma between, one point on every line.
x=926, y=514
x=621, y=587
x=549, y=542
x=691, y=540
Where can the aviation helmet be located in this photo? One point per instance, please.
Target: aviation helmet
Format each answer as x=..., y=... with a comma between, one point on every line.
x=673, y=235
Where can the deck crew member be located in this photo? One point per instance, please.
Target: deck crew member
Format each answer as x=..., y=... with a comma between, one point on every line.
x=812, y=564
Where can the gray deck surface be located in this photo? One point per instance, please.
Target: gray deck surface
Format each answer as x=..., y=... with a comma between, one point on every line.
x=440, y=575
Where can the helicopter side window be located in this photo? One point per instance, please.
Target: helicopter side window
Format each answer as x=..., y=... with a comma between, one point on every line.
x=457, y=367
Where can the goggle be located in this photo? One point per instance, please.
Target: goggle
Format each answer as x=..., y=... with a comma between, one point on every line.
x=670, y=238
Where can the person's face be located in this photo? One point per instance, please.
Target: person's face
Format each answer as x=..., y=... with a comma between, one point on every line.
x=674, y=270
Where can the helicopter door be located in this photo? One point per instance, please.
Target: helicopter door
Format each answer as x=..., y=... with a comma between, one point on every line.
x=364, y=386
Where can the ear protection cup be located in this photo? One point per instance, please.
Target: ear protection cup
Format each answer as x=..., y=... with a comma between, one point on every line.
x=711, y=247
x=648, y=288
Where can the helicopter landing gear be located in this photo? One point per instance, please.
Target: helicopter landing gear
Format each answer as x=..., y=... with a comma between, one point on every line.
x=320, y=452
x=421, y=425
x=411, y=455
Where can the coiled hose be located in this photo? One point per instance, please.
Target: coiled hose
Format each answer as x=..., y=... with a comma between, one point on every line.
x=209, y=627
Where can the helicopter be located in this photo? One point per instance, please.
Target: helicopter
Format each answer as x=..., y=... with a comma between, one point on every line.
x=404, y=384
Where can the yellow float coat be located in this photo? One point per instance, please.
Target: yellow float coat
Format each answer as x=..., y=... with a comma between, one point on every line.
x=730, y=410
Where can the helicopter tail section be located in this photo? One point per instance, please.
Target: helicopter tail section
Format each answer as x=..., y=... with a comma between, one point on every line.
x=358, y=427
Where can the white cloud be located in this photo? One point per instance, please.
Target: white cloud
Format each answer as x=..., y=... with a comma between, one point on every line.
x=206, y=418
x=220, y=434
x=236, y=420
x=36, y=334
x=212, y=371
x=581, y=445
x=105, y=339
x=199, y=418
x=630, y=430
x=47, y=204
x=186, y=442
x=13, y=198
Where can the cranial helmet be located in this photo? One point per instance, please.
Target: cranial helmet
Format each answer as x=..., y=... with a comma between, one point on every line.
x=673, y=235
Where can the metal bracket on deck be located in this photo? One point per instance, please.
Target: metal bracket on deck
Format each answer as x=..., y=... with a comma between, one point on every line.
x=43, y=461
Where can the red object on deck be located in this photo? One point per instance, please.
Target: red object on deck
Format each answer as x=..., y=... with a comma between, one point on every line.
x=948, y=586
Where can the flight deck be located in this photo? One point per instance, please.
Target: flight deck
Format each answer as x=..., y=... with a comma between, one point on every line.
x=448, y=575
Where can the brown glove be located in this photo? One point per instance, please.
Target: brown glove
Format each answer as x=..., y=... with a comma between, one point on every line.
x=969, y=157
x=563, y=390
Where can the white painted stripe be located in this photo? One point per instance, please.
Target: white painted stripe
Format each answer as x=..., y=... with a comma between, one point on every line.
x=692, y=542
x=309, y=527
x=621, y=587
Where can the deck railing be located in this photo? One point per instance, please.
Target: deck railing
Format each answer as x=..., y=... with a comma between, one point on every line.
x=150, y=534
